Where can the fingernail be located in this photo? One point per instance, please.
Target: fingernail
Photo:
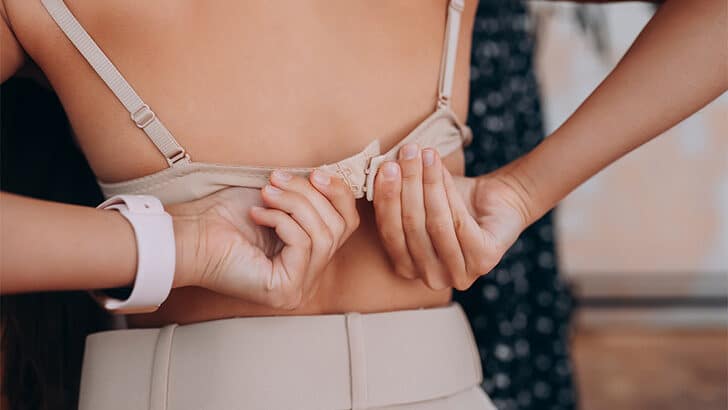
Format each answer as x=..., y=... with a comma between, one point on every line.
x=409, y=151
x=282, y=176
x=320, y=177
x=428, y=157
x=390, y=170
x=272, y=190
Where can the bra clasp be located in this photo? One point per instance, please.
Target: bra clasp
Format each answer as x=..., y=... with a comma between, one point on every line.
x=371, y=173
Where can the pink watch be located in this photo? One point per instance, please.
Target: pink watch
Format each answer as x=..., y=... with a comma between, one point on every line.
x=155, y=254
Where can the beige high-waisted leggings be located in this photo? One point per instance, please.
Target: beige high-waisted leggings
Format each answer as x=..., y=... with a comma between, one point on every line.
x=415, y=359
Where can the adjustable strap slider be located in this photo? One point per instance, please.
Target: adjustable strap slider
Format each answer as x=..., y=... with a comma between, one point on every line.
x=443, y=100
x=458, y=5
x=371, y=173
x=143, y=116
x=177, y=157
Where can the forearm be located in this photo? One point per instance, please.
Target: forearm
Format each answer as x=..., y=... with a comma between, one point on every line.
x=52, y=246
x=677, y=65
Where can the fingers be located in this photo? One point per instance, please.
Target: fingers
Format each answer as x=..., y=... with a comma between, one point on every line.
x=414, y=219
x=304, y=213
x=469, y=235
x=331, y=199
x=287, y=272
x=339, y=196
x=439, y=222
x=387, y=206
x=324, y=211
x=424, y=223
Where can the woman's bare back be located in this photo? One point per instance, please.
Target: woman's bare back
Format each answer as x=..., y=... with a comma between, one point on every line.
x=297, y=83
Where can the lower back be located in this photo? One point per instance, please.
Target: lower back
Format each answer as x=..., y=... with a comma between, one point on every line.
x=358, y=279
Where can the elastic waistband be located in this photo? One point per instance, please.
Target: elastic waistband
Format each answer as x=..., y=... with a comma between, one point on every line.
x=350, y=361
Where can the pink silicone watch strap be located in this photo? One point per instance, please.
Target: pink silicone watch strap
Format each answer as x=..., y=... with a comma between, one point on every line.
x=155, y=254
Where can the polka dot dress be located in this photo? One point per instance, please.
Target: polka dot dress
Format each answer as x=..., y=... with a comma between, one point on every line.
x=520, y=311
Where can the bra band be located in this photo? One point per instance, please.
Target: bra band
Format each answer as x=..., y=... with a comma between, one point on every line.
x=440, y=131
x=147, y=120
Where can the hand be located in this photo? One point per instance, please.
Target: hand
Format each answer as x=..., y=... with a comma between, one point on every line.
x=221, y=249
x=445, y=230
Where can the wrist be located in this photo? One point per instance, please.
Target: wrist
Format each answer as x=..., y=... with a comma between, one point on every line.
x=185, y=240
x=125, y=256
x=509, y=184
x=524, y=194
x=155, y=262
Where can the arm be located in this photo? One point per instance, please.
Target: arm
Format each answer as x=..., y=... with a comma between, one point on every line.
x=12, y=56
x=36, y=251
x=53, y=246
x=46, y=246
x=677, y=65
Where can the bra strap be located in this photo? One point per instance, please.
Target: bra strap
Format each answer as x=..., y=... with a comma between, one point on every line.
x=449, y=52
x=140, y=113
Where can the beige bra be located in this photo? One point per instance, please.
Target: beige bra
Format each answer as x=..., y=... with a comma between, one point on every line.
x=186, y=180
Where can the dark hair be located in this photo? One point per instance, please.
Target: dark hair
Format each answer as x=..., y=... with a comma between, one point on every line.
x=43, y=334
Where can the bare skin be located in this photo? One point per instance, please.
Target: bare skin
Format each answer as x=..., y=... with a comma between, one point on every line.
x=461, y=227
x=440, y=229
x=229, y=90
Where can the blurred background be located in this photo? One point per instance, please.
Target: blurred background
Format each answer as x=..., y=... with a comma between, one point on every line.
x=644, y=244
